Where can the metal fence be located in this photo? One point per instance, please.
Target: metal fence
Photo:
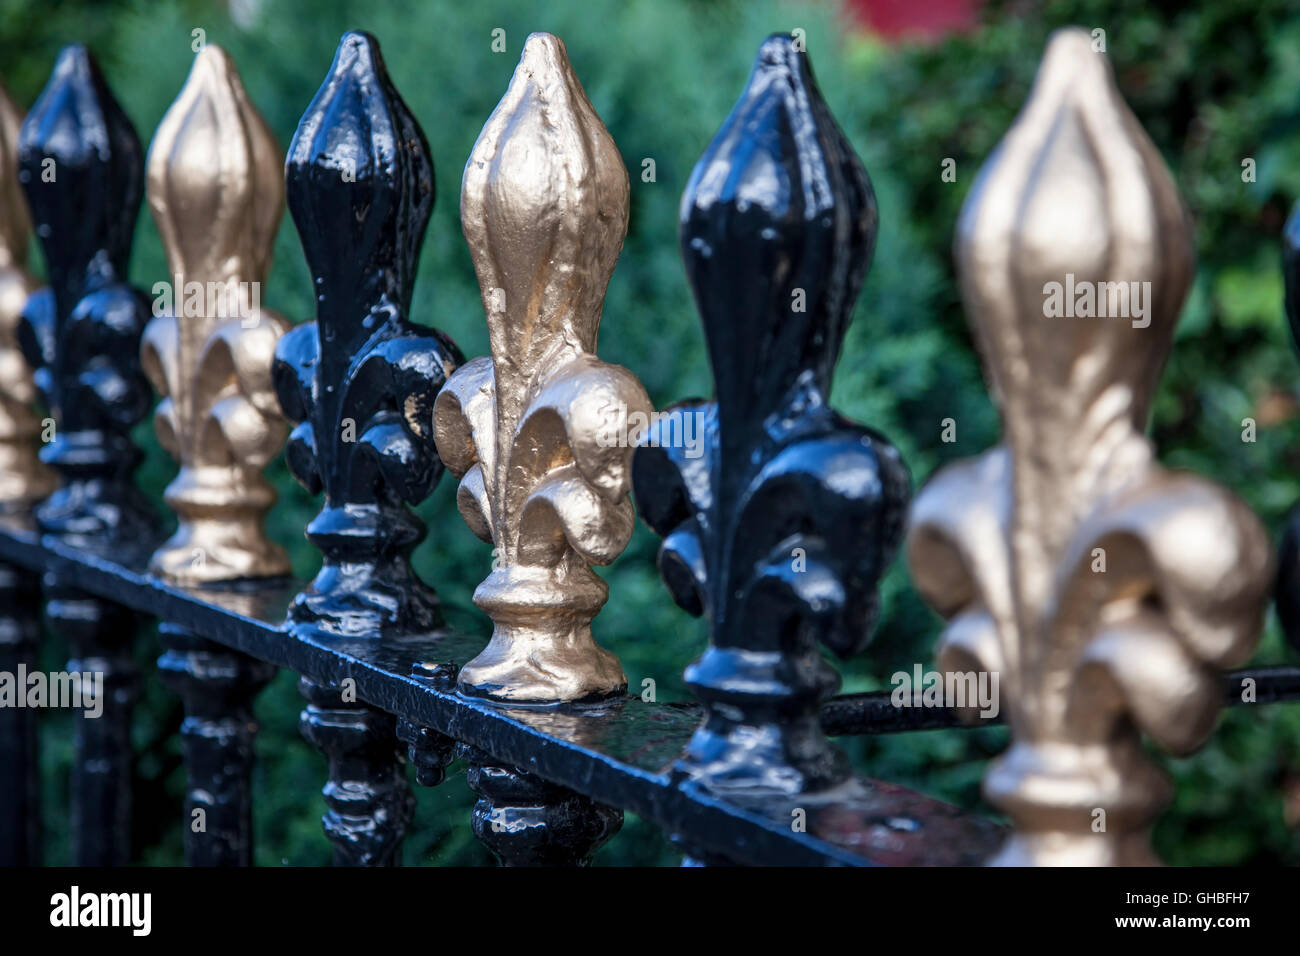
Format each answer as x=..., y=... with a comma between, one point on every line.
x=1098, y=597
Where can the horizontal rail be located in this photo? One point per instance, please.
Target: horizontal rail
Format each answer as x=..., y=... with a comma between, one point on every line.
x=621, y=754
x=875, y=712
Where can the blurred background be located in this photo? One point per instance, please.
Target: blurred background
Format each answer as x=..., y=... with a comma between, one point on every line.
x=913, y=83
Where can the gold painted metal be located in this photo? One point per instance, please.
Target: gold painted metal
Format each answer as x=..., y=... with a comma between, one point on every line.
x=23, y=479
x=216, y=190
x=544, y=476
x=1106, y=591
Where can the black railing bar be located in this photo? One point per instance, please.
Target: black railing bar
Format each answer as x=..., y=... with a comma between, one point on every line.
x=845, y=715
x=745, y=836
x=875, y=712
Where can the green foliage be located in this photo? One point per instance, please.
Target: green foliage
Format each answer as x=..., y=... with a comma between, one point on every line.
x=1213, y=83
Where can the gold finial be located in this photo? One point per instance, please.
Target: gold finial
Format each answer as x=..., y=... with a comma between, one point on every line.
x=1104, y=590
x=533, y=432
x=23, y=479
x=216, y=190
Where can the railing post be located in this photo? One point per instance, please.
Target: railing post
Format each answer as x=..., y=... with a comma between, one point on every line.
x=526, y=821
x=23, y=482
x=101, y=636
x=20, y=808
x=781, y=521
x=217, y=686
x=539, y=434
x=360, y=381
x=369, y=800
x=216, y=190
x=81, y=170
x=1103, y=590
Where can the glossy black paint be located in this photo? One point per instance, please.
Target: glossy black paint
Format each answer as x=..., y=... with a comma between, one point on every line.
x=521, y=818
x=428, y=751
x=526, y=821
x=218, y=686
x=1287, y=590
x=368, y=798
x=619, y=754
x=82, y=171
x=20, y=804
x=360, y=380
x=781, y=529
x=101, y=635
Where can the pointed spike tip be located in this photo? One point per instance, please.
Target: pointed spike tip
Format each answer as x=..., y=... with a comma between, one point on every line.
x=545, y=181
x=1074, y=192
x=360, y=184
x=779, y=183
x=74, y=60
x=215, y=183
x=1072, y=70
x=211, y=63
x=543, y=52
x=77, y=123
x=780, y=51
x=75, y=86
x=358, y=51
x=1072, y=47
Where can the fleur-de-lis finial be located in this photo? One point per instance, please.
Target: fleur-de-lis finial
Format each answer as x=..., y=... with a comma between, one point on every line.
x=534, y=431
x=23, y=479
x=216, y=189
x=780, y=527
x=81, y=169
x=360, y=380
x=1104, y=590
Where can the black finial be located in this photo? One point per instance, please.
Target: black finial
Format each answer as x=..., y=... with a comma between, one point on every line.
x=778, y=226
x=361, y=379
x=82, y=171
x=778, y=515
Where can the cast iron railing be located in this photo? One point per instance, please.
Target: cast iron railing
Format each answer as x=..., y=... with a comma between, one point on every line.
x=778, y=529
